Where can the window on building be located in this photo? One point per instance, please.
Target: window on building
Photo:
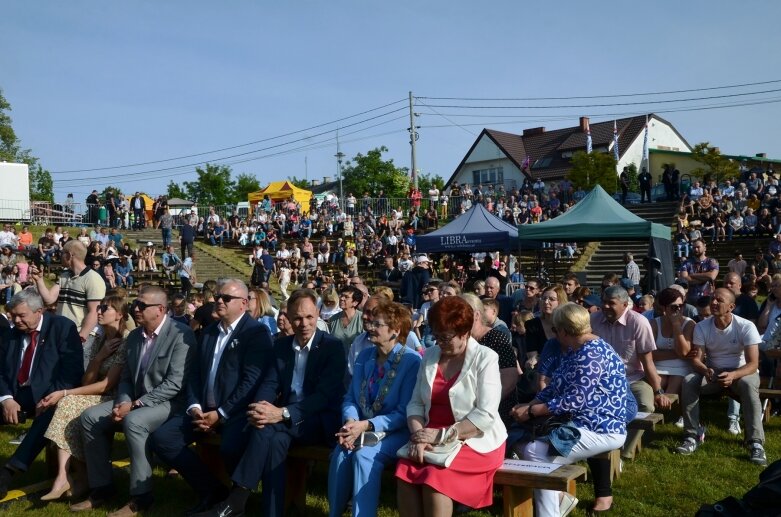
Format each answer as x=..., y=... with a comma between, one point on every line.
x=492, y=175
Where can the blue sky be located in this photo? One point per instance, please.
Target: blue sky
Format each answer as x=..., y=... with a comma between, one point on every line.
x=99, y=84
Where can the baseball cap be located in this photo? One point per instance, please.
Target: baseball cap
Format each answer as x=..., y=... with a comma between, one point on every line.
x=422, y=258
x=592, y=300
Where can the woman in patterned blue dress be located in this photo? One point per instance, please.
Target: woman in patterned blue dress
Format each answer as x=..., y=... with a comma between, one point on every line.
x=590, y=385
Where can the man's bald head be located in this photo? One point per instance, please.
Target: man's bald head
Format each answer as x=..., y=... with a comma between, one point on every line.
x=492, y=287
x=733, y=282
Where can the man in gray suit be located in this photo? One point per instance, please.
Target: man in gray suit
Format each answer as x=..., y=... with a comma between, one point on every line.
x=148, y=394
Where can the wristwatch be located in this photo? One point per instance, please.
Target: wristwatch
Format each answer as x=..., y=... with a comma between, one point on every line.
x=285, y=414
x=660, y=391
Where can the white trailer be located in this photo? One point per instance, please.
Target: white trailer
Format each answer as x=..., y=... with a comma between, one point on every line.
x=14, y=192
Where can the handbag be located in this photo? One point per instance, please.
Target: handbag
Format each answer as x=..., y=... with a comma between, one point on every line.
x=541, y=426
x=442, y=455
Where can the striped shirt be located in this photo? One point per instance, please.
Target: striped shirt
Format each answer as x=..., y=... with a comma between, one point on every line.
x=76, y=291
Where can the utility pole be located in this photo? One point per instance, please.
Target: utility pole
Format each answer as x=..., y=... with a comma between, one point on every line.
x=339, y=157
x=413, y=136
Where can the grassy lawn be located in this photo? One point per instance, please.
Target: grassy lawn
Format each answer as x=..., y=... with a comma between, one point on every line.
x=658, y=483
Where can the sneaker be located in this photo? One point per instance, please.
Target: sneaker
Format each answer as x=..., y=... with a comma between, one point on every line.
x=567, y=504
x=688, y=446
x=734, y=427
x=757, y=454
x=679, y=422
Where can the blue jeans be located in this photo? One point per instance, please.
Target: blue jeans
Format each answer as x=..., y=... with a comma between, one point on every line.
x=166, y=237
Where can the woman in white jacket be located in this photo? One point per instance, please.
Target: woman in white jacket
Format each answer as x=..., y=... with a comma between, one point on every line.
x=455, y=400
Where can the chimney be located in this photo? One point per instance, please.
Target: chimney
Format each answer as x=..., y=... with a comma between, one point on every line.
x=761, y=155
x=533, y=131
x=583, y=124
x=326, y=179
x=315, y=183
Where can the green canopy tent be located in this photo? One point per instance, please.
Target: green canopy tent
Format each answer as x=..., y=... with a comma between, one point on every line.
x=599, y=217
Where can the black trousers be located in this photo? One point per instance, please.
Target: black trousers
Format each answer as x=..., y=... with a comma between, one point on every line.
x=170, y=442
x=34, y=441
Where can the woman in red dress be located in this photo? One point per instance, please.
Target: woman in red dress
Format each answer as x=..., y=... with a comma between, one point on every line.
x=456, y=397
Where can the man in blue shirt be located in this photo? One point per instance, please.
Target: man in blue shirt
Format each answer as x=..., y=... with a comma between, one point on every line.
x=187, y=238
x=123, y=271
x=171, y=261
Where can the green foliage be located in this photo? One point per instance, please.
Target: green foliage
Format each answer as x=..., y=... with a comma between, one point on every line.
x=426, y=181
x=589, y=169
x=245, y=183
x=370, y=173
x=714, y=165
x=213, y=187
x=41, y=184
x=115, y=190
x=634, y=184
x=174, y=190
x=300, y=183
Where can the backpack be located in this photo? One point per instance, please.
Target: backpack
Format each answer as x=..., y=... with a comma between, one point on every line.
x=763, y=500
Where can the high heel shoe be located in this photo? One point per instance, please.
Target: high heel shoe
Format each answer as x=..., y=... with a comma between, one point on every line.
x=54, y=495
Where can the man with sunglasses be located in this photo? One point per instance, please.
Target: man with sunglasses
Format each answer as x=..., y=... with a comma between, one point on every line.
x=311, y=366
x=147, y=395
x=232, y=365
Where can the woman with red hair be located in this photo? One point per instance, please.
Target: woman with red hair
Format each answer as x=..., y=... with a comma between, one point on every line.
x=455, y=402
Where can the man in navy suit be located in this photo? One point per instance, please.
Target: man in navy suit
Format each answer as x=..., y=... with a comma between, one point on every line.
x=41, y=354
x=311, y=366
x=232, y=366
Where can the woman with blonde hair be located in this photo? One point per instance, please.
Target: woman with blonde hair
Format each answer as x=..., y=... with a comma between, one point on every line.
x=540, y=329
x=330, y=300
x=266, y=313
x=106, y=360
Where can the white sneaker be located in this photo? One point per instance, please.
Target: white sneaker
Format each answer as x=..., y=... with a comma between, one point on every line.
x=679, y=422
x=567, y=504
x=734, y=427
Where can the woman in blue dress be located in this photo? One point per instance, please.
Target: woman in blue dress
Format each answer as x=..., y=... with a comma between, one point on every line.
x=374, y=412
x=590, y=385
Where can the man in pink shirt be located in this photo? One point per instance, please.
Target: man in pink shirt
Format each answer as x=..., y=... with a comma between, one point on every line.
x=630, y=334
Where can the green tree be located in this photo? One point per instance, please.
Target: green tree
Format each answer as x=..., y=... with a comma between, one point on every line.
x=174, y=190
x=213, y=187
x=634, y=183
x=589, y=169
x=300, y=183
x=370, y=173
x=115, y=190
x=245, y=183
x=41, y=184
x=426, y=181
x=715, y=165
x=40, y=179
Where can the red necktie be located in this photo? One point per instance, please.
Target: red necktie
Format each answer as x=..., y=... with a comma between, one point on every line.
x=27, y=360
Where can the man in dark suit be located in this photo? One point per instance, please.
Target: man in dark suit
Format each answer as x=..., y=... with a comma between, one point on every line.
x=232, y=366
x=147, y=395
x=311, y=366
x=41, y=354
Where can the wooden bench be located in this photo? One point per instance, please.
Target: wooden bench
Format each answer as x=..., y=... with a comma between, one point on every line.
x=517, y=487
x=768, y=394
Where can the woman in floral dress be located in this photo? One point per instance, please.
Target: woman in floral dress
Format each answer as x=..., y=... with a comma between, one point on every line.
x=107, y=357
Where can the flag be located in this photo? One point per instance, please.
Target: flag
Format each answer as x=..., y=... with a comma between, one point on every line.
x=526, y=162
x=615, y=141
x=588, y=138
x=645, y=143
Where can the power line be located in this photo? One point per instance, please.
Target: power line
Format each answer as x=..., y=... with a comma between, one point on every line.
x=603, y=96
x=642, y=103
x=231, y=147
x=275, y=146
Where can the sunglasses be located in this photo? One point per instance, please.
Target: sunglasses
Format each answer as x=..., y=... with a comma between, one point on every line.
x=103, y=307
x=226, y=298
x=141, y=306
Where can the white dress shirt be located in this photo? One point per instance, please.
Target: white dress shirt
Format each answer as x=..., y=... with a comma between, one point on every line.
x=302, y=356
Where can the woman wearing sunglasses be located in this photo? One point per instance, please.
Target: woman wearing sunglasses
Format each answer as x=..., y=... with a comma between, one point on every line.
x=673, y=335
x=106, y=359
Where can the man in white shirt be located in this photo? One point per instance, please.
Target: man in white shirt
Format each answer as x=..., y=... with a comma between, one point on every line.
x=7, y=237
x=311, y=366
x=731, y=347
x=232, y=366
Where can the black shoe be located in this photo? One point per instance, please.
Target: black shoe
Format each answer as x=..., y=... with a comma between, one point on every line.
x=224, y=509
x=5, y=481
x=208, y=501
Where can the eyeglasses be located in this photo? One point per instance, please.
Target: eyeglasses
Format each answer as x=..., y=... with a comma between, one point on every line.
x=675, y=306
x=226, y=298
x=373, y=324
x=444, y=338
x=141, y=306
x=430, y=290
x=531, y=288
x=103, y=307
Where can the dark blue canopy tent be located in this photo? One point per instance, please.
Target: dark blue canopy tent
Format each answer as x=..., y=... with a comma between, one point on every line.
x=476, y=230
